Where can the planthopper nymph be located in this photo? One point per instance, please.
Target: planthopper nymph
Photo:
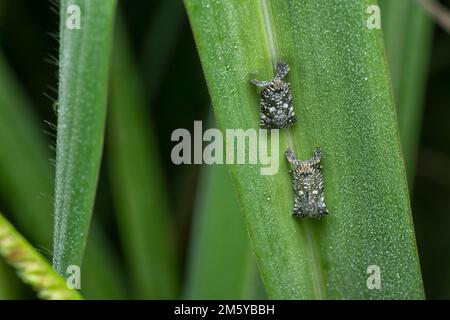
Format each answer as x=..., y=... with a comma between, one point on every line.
x=276, y=107
x=307, y=183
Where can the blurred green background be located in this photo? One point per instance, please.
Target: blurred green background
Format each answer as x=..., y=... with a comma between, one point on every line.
x=164, y=53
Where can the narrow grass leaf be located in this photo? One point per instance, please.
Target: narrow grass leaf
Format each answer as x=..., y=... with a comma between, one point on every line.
x=219, y=243
x=408, y=34
x=83, y=77
x=138, y=185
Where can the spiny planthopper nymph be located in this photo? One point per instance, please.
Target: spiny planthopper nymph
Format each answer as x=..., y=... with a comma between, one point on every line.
x=276, y=107
x=307, y=183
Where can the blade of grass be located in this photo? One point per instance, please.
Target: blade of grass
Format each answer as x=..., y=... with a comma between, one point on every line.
x=8, y=284
x=408, y=35
x=219, y=243
x=26, y=182
x=31, y=267
x=137, y=182
x=83, y=76
x=341, y=90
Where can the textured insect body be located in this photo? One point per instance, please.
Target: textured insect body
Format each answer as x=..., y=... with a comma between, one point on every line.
x=276, y=107
x=307, y=183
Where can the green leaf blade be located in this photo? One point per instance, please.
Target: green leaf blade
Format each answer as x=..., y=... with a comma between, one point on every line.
x=342, y=98
x=408, y=34
x=143, y=213
x=83, y=75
